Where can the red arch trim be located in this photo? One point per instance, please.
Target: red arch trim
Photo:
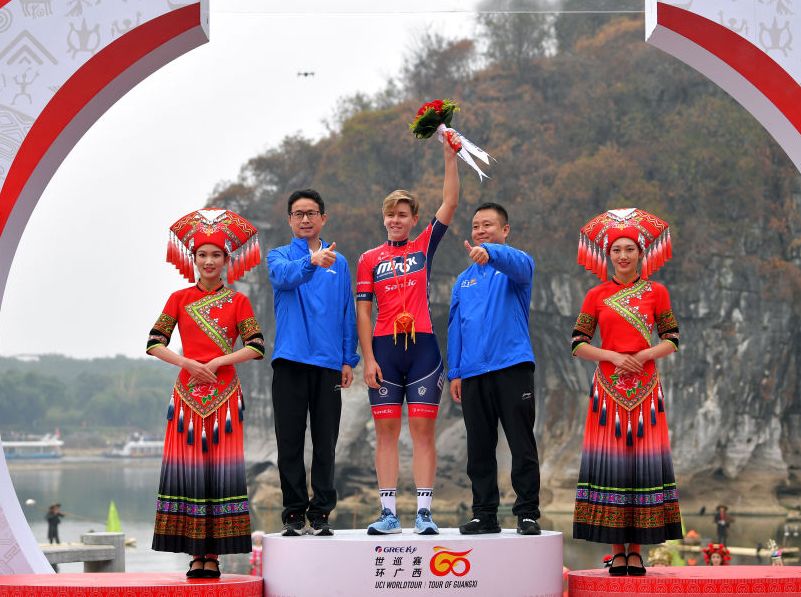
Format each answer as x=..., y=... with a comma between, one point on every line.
x=98, y=72
x=752, y=63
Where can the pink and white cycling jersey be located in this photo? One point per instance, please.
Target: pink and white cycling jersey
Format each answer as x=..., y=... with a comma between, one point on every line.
x=398, y=272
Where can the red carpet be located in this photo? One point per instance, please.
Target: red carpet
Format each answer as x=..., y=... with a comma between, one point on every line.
x=690, y=580
x=128, y=584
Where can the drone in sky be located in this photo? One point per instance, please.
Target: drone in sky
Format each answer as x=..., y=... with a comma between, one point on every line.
x=306, y=73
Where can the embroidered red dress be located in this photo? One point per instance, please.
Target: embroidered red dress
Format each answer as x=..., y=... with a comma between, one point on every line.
x=202, y=504
x=626, y=489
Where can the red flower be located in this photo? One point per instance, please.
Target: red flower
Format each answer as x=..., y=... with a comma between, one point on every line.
x=435, y=105
x=627, y=381
x=204, y=393
x=430, y=115
x=200, y=391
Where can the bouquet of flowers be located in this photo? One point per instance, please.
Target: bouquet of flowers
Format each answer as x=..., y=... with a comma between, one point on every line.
x=431, y=115
x=435, y=117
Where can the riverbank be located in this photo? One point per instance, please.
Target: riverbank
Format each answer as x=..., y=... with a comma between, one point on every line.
x=85, y=486
x=452, y=495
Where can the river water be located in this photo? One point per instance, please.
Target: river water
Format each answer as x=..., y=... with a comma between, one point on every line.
x=85, y=486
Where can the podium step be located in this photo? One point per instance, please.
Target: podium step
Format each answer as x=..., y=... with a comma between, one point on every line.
x=691, y=581
x=128, y=584
x=353, y=563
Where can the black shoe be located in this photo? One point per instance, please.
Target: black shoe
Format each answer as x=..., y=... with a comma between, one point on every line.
x=635, y=570
x=483, y=524
x=195, y=572
x=320, y=527
x=527, y=525
x=213, y=572
x=618, y=570
x=294, y=525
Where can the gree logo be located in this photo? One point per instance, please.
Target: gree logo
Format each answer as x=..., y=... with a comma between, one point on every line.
x=395, y=549
x=446, y=561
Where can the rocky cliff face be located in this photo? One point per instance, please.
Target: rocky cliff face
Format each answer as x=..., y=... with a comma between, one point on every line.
x=733, y=392
x=606, y=123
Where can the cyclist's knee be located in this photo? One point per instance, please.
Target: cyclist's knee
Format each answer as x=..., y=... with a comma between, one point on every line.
x=387, y=430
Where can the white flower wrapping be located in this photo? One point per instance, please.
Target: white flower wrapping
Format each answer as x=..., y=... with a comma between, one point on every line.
x=468, y=148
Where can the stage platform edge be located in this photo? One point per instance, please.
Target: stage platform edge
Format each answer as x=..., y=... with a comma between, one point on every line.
x=690, y=580
x=129, y=584
x=353, y=563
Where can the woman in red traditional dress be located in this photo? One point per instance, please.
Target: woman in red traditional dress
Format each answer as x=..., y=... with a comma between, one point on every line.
x=202, y=506
x=716, y=554
x=626, y=494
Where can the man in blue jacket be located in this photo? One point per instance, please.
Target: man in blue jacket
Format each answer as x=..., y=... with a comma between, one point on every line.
x=492, y=370
x=315, y=351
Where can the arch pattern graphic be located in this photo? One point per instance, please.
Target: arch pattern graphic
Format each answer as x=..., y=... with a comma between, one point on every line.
x=63, y=63
x=750, y=48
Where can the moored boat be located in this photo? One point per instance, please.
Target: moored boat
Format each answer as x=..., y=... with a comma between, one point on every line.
x=139, y=447
x=47, y=446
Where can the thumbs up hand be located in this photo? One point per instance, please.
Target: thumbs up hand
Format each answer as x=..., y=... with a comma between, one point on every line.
x=478, y=254
x=325, y=257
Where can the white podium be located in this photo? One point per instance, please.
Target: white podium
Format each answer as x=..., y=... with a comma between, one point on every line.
x=354, y=563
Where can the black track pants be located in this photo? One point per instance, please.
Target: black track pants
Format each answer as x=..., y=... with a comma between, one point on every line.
x=506, y=395
x=299, y=389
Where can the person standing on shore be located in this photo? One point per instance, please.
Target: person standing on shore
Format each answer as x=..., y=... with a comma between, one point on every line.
x=313, y=359
x=491, y=370
x=722, y=523
x=53, y=518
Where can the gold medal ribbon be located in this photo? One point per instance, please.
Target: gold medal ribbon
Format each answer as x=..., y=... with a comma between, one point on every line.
x=404, y=321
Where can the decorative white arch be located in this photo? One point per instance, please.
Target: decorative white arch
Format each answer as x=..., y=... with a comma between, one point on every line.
x=750, y=48
x=63, y=63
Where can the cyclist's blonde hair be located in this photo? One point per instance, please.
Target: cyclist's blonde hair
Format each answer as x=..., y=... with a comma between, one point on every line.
x=391, y=201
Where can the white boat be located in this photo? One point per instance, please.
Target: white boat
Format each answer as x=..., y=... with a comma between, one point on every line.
x=47, y=446
x=139, y=447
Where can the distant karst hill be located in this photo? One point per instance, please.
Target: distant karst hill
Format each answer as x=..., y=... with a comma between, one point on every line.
x=586, y=119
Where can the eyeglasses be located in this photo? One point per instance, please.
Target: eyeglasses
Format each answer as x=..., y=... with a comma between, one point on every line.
x=299, y=215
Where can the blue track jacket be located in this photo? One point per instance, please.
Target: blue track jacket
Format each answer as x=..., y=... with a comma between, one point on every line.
x=488, y=320
x=315, y=319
